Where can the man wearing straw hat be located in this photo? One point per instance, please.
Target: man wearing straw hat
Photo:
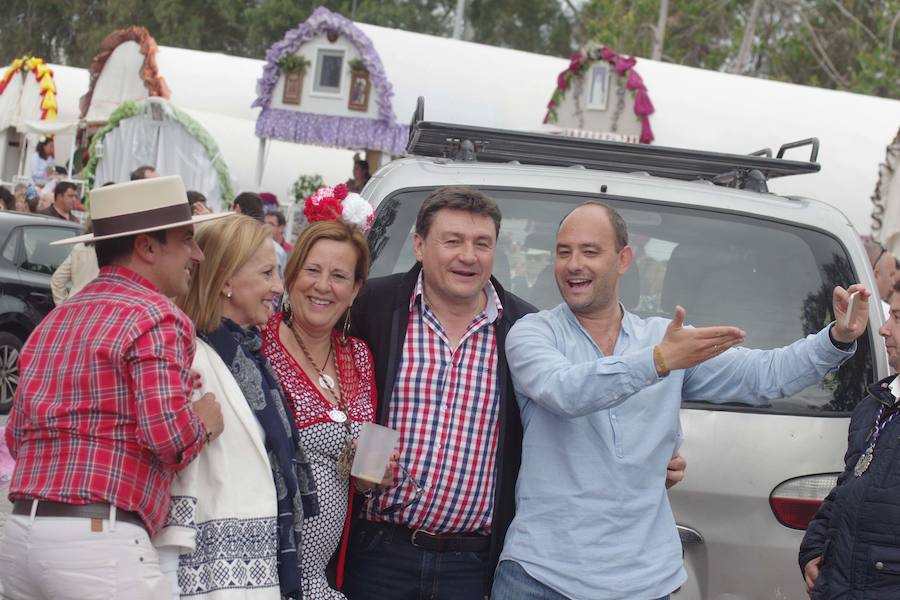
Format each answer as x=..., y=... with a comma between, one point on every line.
x=102, y=417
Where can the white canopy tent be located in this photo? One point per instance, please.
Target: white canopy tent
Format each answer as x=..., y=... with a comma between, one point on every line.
x=119, y=80
x=21, y=102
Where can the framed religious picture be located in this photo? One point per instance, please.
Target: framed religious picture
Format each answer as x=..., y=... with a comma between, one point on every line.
x=598, y=86
x=359, y=91
x=293, y=84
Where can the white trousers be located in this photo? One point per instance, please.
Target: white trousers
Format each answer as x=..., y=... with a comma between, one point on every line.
x=63, y=558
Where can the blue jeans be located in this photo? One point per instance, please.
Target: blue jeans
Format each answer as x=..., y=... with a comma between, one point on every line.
x=512, y=582
x=380, y=567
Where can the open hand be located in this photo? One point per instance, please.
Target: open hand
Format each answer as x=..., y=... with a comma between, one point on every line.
x=844, y=330
x=684, y=347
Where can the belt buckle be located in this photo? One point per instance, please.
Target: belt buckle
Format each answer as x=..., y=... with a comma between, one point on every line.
x=412, y=539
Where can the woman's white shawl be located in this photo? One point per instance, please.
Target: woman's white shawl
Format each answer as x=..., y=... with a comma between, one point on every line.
x=223, y=516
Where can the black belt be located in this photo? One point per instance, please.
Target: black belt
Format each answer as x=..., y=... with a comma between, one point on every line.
x=432, y=542
x=47, y=508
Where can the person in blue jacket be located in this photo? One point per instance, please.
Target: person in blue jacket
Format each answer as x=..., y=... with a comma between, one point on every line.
x=852, y=546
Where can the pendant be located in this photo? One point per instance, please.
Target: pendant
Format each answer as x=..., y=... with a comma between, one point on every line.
x=337, y=415
x=863, y=463
x=326, y=381
x=344, y=461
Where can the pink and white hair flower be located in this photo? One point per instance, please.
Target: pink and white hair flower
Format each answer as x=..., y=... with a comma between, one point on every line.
x=358, y=211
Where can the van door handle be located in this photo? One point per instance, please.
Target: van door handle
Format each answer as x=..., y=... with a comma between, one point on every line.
x=688, y=535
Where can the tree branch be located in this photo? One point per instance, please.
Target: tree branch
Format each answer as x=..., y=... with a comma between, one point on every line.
x=891, y=29
x=821, y=57
x=743, y=57
x=573, y=8
x=852, y=17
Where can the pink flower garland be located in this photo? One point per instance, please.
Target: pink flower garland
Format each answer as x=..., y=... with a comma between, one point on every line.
x=623, y=65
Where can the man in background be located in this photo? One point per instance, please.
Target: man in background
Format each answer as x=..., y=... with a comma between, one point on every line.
x=250, y=204
x=276, y=219
x=884, y=265
x=65, y=194
x=143, y=172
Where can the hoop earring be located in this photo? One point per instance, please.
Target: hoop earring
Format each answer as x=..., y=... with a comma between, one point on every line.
x=343, y=340
x=287, y=313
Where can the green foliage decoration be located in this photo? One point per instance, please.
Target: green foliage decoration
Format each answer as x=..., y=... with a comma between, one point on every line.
x=293, y=63
x=357, y=66
x=304, y=186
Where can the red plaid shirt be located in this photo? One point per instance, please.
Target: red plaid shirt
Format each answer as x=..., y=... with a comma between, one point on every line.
x=446, y=404
x=102, y=412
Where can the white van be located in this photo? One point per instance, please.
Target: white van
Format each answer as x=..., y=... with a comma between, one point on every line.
x=731, y=254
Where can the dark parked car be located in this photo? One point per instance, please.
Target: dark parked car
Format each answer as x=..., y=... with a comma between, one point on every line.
x=27, y=260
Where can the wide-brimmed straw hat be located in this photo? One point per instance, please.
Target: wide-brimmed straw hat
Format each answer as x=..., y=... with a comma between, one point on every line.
x=139, y=207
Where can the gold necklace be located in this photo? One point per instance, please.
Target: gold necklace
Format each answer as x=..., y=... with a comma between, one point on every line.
x=325, y=380
x=340, y=414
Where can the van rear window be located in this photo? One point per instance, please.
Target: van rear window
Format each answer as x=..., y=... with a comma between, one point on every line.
x=773, y=280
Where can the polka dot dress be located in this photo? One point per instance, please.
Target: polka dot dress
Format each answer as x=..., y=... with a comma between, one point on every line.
x=323, y=440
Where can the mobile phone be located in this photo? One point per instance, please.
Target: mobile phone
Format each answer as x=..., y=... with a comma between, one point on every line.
x=851, y=305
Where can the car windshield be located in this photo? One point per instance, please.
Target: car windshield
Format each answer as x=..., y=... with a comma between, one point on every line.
x=773, y=280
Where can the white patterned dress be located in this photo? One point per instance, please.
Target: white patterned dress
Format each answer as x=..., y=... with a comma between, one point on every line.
x=323, y=440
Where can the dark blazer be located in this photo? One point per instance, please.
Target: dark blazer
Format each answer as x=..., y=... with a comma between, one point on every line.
x=856, y=530
x=380, y=317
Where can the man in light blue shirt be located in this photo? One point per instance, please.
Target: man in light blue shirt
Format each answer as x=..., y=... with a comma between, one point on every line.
x=600, y=391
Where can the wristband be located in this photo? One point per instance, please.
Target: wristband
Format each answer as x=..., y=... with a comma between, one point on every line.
x=839, y=345
x=659, y=362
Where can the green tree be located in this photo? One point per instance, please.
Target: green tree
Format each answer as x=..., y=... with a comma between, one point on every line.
x=539, y=26
x=843, y=44
x=268, y=20
x=851, y=45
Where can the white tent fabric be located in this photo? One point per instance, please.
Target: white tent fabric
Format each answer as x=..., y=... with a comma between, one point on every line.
x=164, y=144
x=119, y=81
x=50, y=127
x=889, y=192
x=20, y=101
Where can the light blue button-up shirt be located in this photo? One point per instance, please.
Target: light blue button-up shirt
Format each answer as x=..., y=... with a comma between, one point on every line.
x=593, y=519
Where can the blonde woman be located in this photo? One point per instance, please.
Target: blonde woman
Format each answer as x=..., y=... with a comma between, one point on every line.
x=238, y=509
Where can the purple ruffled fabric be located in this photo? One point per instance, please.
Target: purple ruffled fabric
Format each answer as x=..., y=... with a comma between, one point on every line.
x=327, y=130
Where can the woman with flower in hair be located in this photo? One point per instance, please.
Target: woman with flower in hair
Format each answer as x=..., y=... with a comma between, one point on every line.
x=327, y=376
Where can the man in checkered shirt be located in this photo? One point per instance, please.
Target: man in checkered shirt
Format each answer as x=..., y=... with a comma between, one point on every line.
x=102, y=417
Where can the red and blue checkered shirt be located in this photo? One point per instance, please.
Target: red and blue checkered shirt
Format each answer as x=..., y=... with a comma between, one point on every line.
x=102, y=412
x=446, y=405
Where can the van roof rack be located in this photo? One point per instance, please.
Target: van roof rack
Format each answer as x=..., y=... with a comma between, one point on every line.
x=468, y=143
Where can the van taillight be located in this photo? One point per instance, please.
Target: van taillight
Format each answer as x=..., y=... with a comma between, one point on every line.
x=796, y=501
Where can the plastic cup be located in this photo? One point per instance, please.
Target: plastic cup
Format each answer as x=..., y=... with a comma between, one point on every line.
x=373, y=451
